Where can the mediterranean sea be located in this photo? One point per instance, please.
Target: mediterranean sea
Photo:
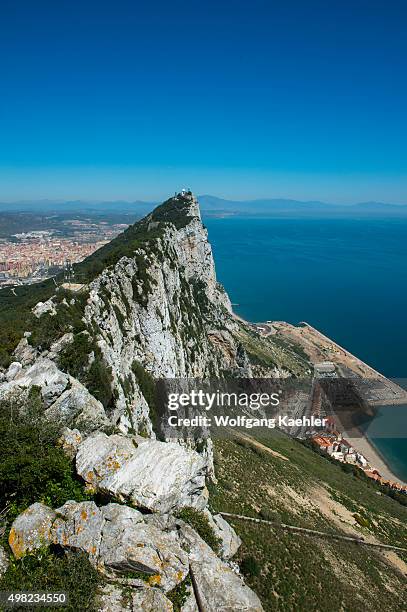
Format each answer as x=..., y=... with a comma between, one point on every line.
x=345, y=276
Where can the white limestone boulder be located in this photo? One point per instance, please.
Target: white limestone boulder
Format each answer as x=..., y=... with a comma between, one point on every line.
x=78, y=526
x=45, y=375
x=43, y=307
x=120, y=542
x=158, y=476
x=25, y=353
x=128, y=544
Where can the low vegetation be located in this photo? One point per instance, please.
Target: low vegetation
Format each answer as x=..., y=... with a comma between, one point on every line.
x=147, y=386
x=179, y=594
x=32, y=467
x=295, y=572
x=54, y=571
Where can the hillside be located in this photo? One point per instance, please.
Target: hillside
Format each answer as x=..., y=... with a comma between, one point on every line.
x=294, y=486
x=95, y=500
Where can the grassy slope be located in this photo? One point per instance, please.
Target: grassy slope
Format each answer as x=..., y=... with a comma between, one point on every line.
x=299, y=572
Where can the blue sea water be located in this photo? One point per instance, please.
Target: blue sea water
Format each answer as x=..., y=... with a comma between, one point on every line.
x=345, y=276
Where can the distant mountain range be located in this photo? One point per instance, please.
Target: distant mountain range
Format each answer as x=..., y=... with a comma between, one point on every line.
x=213, y=204
x=210, y=205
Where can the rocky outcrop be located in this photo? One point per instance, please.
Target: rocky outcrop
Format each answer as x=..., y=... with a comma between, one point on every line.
x=44, y=307
x=117, y=539
x=43, y=374
x=13, y=370
x=158, y=476
x=31, y=530
x=25, y=353
x=154, y=311
x=229, y=540
x=65, y=399
x=76, y=406
x=165, y=310
x=217, y=586
x=149, y=554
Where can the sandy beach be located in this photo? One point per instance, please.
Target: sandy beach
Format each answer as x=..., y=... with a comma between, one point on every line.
x=375, y=459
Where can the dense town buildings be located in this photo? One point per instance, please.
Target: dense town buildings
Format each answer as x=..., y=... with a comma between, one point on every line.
x=32, y=256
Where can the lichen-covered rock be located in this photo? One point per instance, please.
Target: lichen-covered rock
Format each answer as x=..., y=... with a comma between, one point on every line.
x=113, y=598
x=100, y=455
x=129, y=545
x=69, y=441
x=31, y=530
x=218, y=587
x=158, y=476
x=4, y=562
x=117, y=539
x=78, y=526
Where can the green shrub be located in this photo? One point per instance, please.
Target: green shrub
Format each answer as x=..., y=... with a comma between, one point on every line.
x=74, y=358
x=268, y=515
x=179, y=594
x=97, y=377
x=32, y=468
x=148, y=388
x=48, y=328
x=98, y=380
x=250, y=566
x=55, y=571
x=362, y=520
x=199, y=521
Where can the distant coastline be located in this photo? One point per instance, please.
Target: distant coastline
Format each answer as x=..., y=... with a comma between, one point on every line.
x=365, y=446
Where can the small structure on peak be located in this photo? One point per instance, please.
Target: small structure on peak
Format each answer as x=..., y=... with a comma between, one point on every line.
x=186, y=193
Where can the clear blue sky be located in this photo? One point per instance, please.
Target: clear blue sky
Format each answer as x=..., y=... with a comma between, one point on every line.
x=128, y=99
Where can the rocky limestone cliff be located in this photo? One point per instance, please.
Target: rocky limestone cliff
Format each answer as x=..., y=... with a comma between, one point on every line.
x=145, y=306
x=155, y=309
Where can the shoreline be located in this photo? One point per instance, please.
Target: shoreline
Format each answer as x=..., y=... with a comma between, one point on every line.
x=363, y=444
x=375, y=458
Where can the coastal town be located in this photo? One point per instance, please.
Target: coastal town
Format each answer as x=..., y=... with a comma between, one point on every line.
x=333, y=444
x=32, y=256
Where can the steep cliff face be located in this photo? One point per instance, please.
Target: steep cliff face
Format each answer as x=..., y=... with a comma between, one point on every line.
x=163, y=308
x=154, y=310
x=145, y=306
